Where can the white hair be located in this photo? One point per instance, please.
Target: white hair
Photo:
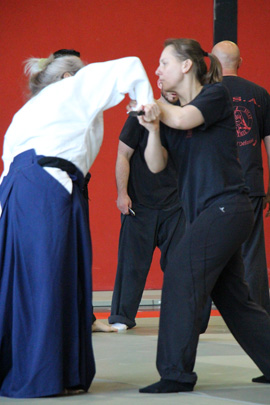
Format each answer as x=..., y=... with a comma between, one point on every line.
x=43, y=72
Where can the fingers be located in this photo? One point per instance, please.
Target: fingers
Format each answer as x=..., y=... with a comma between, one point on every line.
x=132, y=104
x=124, y=209
x=124, y=204
x=152, y=112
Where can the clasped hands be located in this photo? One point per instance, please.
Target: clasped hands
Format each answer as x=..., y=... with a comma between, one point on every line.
x=151, y=114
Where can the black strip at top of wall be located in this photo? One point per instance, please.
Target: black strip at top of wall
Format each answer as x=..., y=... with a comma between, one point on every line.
x=225, y=20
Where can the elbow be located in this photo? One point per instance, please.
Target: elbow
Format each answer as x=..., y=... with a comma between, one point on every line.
x=156, y=164
x=156, y=168
x=180, y=123
x=177, y=122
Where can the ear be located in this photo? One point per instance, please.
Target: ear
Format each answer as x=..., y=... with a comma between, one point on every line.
x=187, y=65
x=239, y=63
x=65, y=75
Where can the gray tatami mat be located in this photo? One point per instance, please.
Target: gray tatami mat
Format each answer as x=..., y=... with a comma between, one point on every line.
x=126, y=361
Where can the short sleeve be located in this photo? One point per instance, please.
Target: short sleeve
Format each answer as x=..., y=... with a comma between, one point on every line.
x=131, y=132
x=214, y=103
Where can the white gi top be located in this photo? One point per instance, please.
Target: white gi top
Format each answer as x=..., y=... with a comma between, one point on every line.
x=65, y=119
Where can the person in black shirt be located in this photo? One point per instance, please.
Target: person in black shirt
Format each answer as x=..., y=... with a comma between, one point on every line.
x=158, y=220
x=219, y=217
x=251, y=105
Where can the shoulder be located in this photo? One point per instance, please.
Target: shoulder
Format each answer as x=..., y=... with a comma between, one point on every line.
x=243, y=83
x=214, y=103
x=213, y=92
x=132, y=124
x=214, y=88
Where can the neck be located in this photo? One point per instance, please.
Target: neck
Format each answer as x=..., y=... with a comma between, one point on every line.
x=189, y=91
x=229, y=72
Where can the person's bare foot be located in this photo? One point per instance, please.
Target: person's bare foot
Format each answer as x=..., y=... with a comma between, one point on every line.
x=99, y=326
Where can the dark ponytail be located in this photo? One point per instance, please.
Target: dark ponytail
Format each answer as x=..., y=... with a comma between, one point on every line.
x=214, y=74
x=190, y=49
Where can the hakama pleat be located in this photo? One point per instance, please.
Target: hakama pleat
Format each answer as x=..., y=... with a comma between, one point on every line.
x=45, y=283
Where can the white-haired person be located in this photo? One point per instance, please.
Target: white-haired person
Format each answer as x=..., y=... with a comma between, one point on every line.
x=219, y=217
x=45, y=243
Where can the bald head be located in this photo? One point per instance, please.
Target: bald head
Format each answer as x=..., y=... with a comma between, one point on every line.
x=229, y=56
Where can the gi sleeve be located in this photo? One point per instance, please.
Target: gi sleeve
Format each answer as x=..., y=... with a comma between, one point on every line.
x=100, y=86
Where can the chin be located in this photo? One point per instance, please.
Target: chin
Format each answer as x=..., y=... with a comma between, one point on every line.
x=169, y=89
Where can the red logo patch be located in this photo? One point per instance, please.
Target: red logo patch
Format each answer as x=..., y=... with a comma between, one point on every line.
x=243, y=120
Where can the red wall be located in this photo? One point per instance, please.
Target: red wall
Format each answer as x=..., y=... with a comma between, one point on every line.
x=103, y=30
x=253, y=41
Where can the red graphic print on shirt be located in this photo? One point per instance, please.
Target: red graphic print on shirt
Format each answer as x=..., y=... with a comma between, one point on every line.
x=243, y=120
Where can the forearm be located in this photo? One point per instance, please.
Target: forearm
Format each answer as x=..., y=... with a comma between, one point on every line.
x=108, y=82
x=122, y=170
x=184, y=118
x=169, y=114
x=155, y=155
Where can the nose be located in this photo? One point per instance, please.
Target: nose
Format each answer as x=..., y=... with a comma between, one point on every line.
x=157, y=72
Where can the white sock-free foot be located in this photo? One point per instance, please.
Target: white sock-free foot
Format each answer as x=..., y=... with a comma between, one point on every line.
x=99, y=326
x=120, y=326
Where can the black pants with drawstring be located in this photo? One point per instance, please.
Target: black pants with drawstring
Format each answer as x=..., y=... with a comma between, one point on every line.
x=208, y=261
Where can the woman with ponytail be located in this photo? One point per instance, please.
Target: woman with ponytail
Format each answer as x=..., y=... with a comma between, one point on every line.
x=207, y=261
x=45, y=244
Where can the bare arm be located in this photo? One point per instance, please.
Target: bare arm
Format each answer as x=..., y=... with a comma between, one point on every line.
x=177, y=117
x=180, y=117
x=155, y=154
x=267, y=197
x=122, y=170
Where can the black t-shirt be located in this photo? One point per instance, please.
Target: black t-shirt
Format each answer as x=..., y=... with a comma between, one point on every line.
x=156, y=191
x=251, y=105
x=206, y=156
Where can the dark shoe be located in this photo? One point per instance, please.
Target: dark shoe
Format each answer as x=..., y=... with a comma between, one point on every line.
x=261, y=379
x=166, y=386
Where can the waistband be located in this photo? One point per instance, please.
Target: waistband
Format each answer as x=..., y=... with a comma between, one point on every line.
x=30, y=157
x=63, y=164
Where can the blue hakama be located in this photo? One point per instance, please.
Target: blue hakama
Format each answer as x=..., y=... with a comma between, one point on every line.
x=45, y=283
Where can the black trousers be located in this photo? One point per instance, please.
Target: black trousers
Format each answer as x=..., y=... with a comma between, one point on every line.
x=139, y=236
x=254, y=257
x=208, y=261
x=253, y=251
